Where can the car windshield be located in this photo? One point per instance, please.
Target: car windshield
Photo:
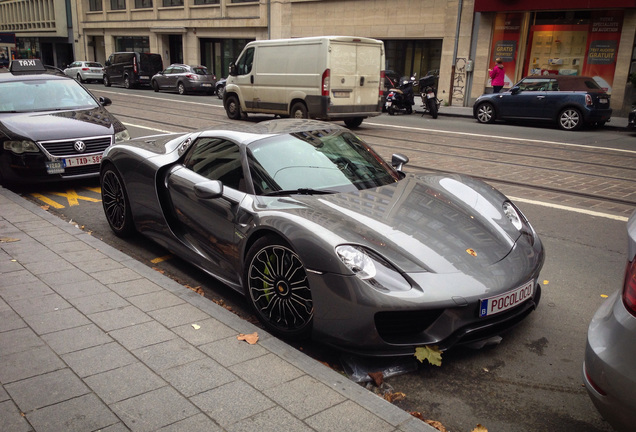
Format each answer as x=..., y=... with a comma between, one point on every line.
x=44, y=95
x=309, y=162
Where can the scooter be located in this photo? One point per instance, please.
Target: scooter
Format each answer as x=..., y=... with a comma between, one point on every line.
x=430, y=103
x=402, y=98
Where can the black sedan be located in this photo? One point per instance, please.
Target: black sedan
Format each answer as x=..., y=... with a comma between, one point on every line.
x=51, y=127
x=184, y=79
x=326, y=239
x=569, y=101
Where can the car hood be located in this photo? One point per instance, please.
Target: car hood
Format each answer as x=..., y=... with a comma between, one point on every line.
x=54, y=125
x=437, y=223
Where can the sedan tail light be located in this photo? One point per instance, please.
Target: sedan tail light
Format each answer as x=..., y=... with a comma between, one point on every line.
x=85, y=69
x=382, y=76
x=629, y=288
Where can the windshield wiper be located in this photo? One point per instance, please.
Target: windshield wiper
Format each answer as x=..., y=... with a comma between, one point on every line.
x=300, y=191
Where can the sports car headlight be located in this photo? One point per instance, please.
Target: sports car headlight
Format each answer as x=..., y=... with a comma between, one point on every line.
x=20, y=147
x=518, y=220
x=122, y=135
x=372, y=269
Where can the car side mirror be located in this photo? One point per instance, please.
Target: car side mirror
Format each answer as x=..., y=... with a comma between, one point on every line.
x=210, y=189
x=398, y=161
x=233, y=69
x=515, y=90
x=104, y=101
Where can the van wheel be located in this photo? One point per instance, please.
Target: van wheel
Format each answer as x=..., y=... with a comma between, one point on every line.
x=298, y=110
x=106, y=81
x=126, y=82
x=353, y=122
x=181, y=89
x=233, y=108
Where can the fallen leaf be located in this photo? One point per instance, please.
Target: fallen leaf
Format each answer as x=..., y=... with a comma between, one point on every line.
x=394, y=397
x=604, y=296
x=479, y=428
x=196, y=326
x=377, y=377
x=430, y=353
x=437, y=425
x=197, y=290
x=249, y=338
x=45, y=207
x=545, y=282
x=8, y=239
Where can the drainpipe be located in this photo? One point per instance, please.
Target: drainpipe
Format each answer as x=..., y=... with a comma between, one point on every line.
x=459, y=17
x=269, y=19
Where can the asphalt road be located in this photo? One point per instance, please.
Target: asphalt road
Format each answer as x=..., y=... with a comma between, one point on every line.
x=531, y=380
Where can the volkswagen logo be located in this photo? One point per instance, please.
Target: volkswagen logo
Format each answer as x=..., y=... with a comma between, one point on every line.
x=80, y=146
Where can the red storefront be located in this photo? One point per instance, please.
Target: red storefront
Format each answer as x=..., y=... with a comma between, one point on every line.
x=566, y=37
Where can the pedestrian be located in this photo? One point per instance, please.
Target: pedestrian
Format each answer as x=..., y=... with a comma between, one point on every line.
x=497, y=75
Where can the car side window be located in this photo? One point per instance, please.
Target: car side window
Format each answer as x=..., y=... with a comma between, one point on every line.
x=244, y=65
x=534, y=84
x=217, y=159
x=554, y=85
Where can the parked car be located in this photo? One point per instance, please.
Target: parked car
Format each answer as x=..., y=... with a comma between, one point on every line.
x=184, y=79
x=570, y=101
x=219, y=87
x=131, y=69
x=85, y=71
x=609, y=370
x=328, y=240
x=51, y=127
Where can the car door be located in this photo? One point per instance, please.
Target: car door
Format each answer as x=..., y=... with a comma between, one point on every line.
x=173, y=76
x=207, y=225
x=526, y=100
x=245, y=77
x=162, y=78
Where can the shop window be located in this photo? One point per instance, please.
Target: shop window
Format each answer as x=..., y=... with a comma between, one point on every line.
x=95, y=5
x=132, y=43
x=244, y=1
x=117, y=4
x=204, y=2
x=143, y=4
x=172, y=3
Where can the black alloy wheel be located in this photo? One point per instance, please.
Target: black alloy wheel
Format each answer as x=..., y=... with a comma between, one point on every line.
x=115, y=202
x=277, y=287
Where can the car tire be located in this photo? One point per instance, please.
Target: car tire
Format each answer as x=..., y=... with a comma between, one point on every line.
x=106, y=81
x=485, y=113
x=233, y=107
x=115, y=202
x=181, y=89
x=353, y=122
x=277, y=288
x=570, y=119
x=298, y=111
x=155, y=86
x=127, y=82
x=220, y=91
x=80, y=79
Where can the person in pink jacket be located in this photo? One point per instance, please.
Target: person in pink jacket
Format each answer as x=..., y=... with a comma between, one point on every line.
x=497, y=75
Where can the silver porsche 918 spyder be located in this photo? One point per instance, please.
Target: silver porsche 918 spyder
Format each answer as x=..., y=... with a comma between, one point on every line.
x=326, y=239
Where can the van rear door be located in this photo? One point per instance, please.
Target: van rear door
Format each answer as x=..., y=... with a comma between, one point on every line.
x=355, y=75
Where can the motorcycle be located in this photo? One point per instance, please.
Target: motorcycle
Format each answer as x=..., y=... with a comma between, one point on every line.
x=401, y=98
x=430, y=103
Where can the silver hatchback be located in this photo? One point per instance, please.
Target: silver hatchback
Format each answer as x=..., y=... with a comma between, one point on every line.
x=184, y=79
x=85, y=71
x=609, y=369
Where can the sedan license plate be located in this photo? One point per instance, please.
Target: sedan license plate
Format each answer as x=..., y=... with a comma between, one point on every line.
x=55, y=167
x=144, y=77
x=82, y=160
x=603, y=100
x=206, y=85
x=505, y=301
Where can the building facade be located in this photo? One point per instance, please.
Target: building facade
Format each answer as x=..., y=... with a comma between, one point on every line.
x=457, y=39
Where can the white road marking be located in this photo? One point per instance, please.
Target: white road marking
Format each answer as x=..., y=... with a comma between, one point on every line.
x=570, y=209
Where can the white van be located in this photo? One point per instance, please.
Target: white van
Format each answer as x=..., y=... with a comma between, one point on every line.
x=328, y=78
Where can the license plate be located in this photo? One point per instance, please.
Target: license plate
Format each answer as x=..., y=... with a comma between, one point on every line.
x=206, y=85
x=54, y=167
x=388, y=104
x=144, y=77
x=505, y=301
x=430, y=95
x=82, y=160
x=341, y=94
x=603, y=100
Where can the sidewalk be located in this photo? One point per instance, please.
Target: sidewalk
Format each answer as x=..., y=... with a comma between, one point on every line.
x=91, y=339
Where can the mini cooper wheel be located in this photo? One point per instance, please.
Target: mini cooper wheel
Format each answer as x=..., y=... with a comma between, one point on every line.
x=486, y=113
x=570, y=119
x=277, y=288
x=115, y=202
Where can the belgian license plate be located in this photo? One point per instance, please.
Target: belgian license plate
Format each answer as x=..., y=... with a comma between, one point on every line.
x=82, y=160
x=603, y=100
x=206, y=85
x=388, y=104
x=505, y=301
x=430, y=95
x=55, y=167
x=144, y=77
x=341, y=94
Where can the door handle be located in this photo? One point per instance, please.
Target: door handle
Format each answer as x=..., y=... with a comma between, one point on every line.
x=361, y=81
x=251, y=79
x=540, y=97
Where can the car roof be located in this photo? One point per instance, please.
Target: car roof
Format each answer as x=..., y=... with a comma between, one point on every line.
x=30, y=70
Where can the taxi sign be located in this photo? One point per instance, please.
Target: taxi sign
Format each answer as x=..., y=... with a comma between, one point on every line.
x=26, y=66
